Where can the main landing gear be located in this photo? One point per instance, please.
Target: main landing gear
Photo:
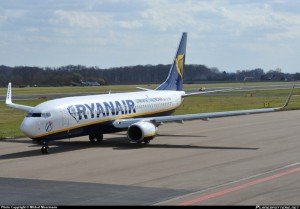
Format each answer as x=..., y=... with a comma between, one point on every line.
x=96, y=137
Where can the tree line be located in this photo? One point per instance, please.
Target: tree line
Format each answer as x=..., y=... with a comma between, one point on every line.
x=140, y=74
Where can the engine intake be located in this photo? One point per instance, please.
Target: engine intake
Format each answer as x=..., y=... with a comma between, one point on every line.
x=141, y=131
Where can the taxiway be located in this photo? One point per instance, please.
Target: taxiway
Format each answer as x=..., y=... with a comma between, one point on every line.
x=244, y=160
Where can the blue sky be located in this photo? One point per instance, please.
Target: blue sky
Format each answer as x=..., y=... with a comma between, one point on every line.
x=229, y=35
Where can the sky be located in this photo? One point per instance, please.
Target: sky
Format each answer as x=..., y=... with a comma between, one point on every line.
x=229, y=35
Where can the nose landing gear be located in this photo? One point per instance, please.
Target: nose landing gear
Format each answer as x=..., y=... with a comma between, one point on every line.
x=45, y=148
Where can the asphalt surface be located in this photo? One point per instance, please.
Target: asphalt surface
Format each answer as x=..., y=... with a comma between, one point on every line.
x=243, y=160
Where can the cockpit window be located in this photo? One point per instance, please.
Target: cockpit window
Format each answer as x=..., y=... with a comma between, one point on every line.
x=38, y=115
x=46, y=115
x=34, y=115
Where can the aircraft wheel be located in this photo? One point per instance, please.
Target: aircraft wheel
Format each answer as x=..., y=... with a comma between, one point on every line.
x=99, y=137
x=45, y=150
x=147, y=141
x=92, y=138
x=96, y=137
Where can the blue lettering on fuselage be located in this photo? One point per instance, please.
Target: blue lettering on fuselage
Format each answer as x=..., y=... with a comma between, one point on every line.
x=109, y=107
x=91, y=109
x=100, y=110
x=130, y=105
x=119, y=108
x=96, y=110
x=81, y=111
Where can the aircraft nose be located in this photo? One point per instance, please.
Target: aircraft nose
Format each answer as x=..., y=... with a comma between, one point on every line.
x=28, y=127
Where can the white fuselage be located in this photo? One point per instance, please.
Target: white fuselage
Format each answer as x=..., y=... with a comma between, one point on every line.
x=75, y=116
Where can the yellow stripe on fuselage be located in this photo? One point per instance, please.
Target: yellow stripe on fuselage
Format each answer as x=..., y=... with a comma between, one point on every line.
x=102, y=121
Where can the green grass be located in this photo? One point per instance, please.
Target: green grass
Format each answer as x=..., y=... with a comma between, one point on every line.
x=74, y=89
x=209, y=103
x=10, y=119
x=118, y=88
x=235, y=85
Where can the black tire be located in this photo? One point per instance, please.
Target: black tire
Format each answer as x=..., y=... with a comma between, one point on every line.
x=96, y=137
x=45, y=150
x=92, y=138
x=99, y=137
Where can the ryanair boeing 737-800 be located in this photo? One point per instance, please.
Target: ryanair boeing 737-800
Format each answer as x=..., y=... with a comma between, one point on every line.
x=140, y=113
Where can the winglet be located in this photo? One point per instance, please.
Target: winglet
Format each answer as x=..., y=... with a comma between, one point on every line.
x=288, y=99
x=8, y=94
x=9, y=103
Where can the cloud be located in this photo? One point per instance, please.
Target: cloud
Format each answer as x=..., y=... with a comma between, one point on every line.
x=81, y=19
x=11, y=14
x=3, y=18
x=290, y=33
x=32, y=29
x=215, y=28
x=268, y=23
x=247, y=18
x=130, y=24
x=167, y=15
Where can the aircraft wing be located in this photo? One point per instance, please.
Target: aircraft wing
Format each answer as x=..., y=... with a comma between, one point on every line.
x=124, y=123
x=10, y=104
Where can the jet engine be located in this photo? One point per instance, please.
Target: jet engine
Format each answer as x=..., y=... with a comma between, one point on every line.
x=141, y=131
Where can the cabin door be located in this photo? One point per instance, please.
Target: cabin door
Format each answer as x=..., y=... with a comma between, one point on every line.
x=65, y=119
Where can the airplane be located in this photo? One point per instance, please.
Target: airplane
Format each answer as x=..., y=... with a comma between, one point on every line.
x=139, y=113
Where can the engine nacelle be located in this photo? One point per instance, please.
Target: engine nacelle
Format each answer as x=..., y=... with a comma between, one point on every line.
x=140, y=131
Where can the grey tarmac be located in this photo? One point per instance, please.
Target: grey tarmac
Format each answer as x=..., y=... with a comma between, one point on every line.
x=243, y=160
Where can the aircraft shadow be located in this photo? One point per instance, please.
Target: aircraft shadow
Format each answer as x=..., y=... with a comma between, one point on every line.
x=118, y=143
x=171, y=135
x=178, y=135
x=13, y=140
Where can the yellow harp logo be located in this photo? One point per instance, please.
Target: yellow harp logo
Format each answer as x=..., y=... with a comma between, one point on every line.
x=179, y=64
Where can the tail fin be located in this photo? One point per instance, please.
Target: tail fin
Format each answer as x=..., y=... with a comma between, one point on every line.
x=174, y=80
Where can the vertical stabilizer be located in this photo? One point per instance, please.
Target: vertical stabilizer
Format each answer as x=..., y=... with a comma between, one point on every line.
x=174, y=80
